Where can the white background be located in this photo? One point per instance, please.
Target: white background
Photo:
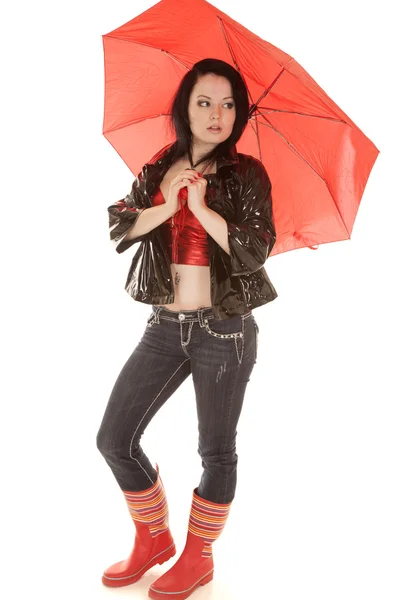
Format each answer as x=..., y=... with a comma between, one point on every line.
x=316, y=510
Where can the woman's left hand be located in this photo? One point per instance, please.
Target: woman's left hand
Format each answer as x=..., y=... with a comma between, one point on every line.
x=196, y=193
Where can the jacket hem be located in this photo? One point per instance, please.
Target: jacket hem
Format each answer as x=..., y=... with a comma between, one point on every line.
x=150, y=300
x=258, y=303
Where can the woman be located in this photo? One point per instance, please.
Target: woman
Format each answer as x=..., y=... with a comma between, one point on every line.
x=199, y=328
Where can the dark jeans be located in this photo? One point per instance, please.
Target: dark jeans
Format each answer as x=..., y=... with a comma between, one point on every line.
x=220, y=355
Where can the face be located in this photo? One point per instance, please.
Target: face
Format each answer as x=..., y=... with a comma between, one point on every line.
x=211, y=103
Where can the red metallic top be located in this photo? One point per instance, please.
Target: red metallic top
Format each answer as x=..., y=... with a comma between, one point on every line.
x=187, y=244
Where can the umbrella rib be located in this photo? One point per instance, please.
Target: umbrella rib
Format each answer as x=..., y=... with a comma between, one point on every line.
x=178, y=61
x=295, y=112
x=255, y=107
x=233, y=57
x=257, y=136
x=120, y=39
x=135, y=121
x=268, y=124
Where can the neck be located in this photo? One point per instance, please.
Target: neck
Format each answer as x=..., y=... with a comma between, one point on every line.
x=199, y=150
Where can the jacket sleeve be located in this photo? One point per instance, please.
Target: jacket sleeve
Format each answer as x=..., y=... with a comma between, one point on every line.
x=124, y=213
x=251, y=236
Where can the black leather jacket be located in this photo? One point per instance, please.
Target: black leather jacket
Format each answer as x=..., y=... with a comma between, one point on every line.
x=240, y=191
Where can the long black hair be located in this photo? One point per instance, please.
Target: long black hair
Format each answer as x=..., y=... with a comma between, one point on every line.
x=179, y=116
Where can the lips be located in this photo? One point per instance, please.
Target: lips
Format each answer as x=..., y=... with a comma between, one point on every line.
x=212, y=129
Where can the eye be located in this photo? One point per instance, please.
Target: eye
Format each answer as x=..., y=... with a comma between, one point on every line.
x=202, y=102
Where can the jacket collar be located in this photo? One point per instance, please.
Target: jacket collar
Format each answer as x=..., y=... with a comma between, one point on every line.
x=230, y=158
x=163, y=159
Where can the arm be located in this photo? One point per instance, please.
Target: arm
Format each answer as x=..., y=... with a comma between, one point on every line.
x=126, y=225
x=214, y=224
x=252, y=235
x=150, y=219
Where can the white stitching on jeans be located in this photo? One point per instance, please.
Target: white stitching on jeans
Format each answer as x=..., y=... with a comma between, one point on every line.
x=220, y=335
x=140, y=422
x=182, y=344
x=256, y=330
x=189, y=334
x=178, y=320
x=237, y=351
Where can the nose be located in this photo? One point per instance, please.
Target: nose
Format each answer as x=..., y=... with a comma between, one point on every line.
x=216, y=113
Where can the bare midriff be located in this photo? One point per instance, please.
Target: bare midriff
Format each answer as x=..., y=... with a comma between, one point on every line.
x=191, y=282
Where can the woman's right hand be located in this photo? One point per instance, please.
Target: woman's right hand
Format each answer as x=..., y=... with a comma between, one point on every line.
x=183, y=179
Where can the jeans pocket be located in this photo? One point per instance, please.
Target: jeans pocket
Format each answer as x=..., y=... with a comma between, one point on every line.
x=225, y=329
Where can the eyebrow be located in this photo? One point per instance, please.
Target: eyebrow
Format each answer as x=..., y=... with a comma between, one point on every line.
x=226, y=98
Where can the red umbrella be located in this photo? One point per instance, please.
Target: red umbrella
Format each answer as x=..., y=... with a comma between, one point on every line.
x=318, y=160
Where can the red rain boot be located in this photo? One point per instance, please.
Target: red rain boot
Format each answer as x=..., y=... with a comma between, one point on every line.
x=153, y=540
x=195, y=566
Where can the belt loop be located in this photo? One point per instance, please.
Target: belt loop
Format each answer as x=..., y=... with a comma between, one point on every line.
x=157, y=313
x=200, y=316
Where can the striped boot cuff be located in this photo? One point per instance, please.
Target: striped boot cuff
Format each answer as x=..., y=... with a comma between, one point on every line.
x=207, y=520
x=149, y=507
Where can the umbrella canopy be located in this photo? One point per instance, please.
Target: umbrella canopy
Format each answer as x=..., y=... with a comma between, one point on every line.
x=317, y=158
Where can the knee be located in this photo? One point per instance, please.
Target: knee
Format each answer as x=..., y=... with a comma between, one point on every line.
x=219, y=457
x=116, y=447
x=107, y=442
x=102, y=441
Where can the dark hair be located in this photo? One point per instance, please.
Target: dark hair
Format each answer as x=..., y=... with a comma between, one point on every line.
x=179, y=117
